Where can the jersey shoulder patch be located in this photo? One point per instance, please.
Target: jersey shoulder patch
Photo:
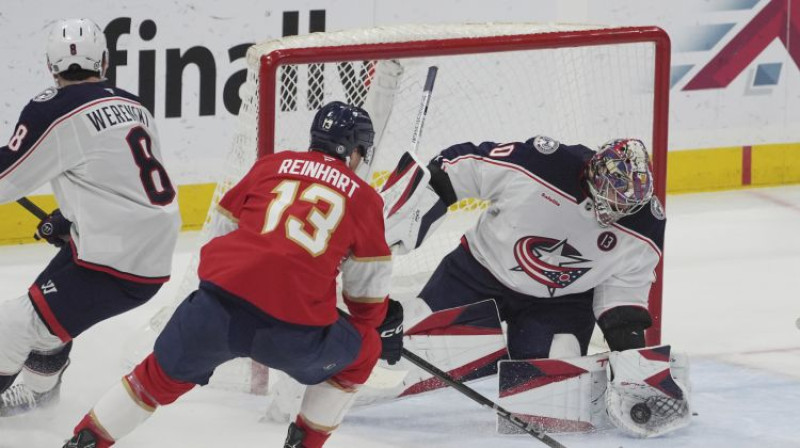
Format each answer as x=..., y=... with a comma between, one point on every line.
x=545, y=145
x=657, y=209
x=45, y=95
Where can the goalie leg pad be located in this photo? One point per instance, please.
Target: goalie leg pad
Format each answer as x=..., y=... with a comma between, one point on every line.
x=566, y=395
x=467, y=342
x=644, y=399
x=560, y=395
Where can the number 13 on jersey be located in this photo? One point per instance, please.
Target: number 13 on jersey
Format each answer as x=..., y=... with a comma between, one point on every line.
x=322, y=223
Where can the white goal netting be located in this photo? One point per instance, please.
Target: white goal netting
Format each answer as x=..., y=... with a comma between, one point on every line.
x=496, y=82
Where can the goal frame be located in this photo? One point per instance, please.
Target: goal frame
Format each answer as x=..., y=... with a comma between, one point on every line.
x=272, y=61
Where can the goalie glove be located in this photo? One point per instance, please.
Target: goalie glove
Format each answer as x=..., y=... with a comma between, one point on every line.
x=643, y=398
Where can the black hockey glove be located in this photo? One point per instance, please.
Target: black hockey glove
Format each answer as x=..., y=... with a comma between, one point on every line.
x=54, y=229
x=391, y=332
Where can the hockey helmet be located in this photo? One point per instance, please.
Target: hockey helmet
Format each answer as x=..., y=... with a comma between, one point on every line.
x=339, y=129
x=620, y=179
x=76, y=44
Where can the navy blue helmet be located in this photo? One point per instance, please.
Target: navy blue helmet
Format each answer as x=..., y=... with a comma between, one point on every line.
x=339, y=129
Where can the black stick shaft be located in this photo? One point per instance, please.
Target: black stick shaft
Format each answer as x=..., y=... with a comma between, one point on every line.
x=427, y=91
x=33, y=208
x=475, y=396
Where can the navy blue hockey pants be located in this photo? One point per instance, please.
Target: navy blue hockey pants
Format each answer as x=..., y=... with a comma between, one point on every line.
x=209, y=329
x=532, y=321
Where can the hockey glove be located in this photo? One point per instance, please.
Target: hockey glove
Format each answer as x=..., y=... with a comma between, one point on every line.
x=643, y=397
x=54, y=229
x=391, y=332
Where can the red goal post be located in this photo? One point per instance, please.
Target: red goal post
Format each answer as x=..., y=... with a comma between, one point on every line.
x=424, y=44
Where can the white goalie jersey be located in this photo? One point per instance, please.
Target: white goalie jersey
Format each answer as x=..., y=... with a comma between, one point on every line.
x=539, y=235
x=99, y=148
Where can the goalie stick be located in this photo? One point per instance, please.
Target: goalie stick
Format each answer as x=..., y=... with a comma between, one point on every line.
x=399, y=196
x=480, y=399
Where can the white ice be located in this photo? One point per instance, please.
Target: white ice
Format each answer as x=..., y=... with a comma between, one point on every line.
x=732, y=262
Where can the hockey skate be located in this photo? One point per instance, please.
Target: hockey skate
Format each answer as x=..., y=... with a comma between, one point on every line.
x=84, y=439
x=294, y=438
x=19, y=399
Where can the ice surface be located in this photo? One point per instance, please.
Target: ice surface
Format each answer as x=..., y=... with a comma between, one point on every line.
x=731, y=301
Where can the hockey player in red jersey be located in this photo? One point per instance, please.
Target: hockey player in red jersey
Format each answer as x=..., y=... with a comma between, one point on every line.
x=117, y=222
x=268, y=290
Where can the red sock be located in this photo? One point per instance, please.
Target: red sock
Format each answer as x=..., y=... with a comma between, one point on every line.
x=313, y=437
x=88, y=423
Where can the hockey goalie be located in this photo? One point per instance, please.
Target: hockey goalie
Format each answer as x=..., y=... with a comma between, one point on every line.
x=571, y=237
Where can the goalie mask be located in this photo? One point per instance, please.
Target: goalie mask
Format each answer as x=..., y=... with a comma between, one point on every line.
x=620, y=179
x=77, y=44
x=339, y=129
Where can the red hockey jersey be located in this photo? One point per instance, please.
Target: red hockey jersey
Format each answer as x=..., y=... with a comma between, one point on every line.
x=302, y=217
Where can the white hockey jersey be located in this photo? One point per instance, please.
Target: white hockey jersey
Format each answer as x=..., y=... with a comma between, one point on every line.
x=540, y=237
x=99, y=148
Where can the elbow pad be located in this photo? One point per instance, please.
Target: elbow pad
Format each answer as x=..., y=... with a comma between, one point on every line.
x=623, y=327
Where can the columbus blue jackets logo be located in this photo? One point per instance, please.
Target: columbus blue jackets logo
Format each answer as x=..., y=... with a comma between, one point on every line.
x=548, y=261
x=657, y=208
x=46, y=94
x=545, y=145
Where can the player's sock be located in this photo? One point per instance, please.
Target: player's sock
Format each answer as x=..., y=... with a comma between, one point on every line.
x=305, y=435
x=43, y=370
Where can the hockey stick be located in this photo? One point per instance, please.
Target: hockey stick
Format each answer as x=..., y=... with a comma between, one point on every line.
x=33, y=208
x=37, y=212
x=423, y=108
x=480, y=399
x=402, y=192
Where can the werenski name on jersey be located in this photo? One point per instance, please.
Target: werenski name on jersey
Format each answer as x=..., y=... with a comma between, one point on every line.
x=110, y=116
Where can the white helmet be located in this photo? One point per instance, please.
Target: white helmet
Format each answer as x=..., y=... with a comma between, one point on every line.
x=76, y=42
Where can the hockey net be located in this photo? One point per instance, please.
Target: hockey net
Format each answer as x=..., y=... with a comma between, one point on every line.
x=496, y=82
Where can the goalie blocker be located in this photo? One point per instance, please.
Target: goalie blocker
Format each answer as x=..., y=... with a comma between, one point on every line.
x=415, y=201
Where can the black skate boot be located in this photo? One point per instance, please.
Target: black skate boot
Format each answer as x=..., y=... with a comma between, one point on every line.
x=83, y=439
x=295, y=437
